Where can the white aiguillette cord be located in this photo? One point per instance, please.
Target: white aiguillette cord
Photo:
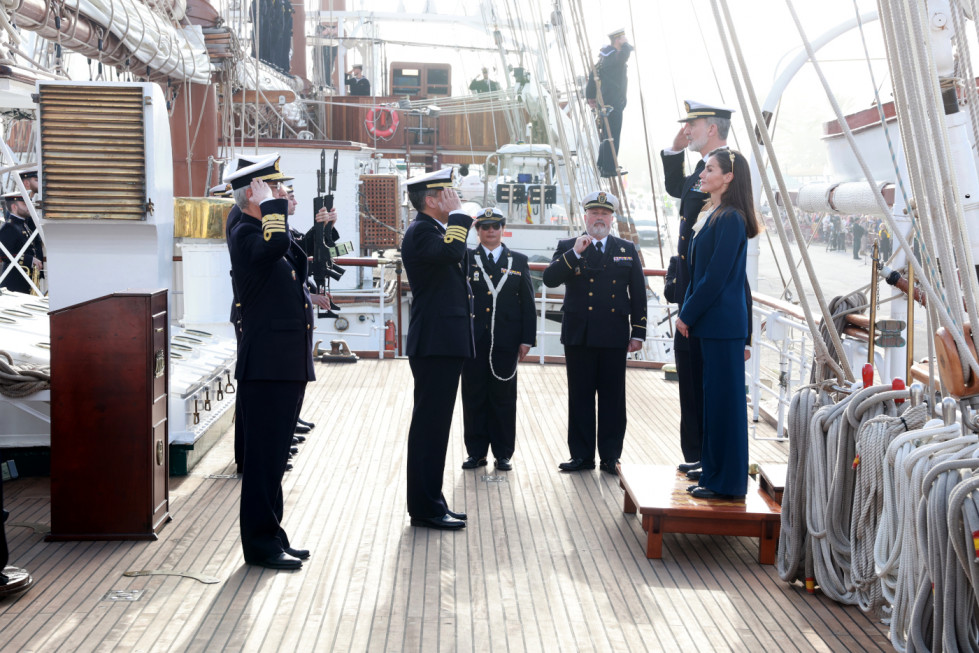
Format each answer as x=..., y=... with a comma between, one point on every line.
x=495, y=290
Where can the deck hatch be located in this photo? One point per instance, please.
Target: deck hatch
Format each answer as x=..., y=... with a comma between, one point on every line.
x=93, y=152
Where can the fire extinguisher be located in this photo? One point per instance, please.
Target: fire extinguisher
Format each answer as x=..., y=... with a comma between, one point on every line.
x=390, y=336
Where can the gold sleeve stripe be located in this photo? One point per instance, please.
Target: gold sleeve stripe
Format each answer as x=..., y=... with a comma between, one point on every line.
x=565, y=258
x=455, y=232
x=273, y=223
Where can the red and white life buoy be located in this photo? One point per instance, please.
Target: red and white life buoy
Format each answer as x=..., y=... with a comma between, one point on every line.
x=382, y=122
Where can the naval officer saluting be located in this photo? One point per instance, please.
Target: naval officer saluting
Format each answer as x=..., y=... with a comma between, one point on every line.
x=603, y=318
x=704, y=129
x=440, y=338
x=504, y=323
x=274, y=356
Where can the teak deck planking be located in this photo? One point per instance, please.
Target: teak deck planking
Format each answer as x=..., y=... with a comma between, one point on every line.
x=549, y=562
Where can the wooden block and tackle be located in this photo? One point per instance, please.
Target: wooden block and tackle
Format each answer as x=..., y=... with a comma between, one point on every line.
x=659, y=494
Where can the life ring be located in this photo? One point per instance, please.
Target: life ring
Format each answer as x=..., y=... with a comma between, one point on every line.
x=382, y=122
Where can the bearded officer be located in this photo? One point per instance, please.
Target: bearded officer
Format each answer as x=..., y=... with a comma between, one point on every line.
x=440, y=338
x=504, y=323
x=274, y=356
x=603, y=319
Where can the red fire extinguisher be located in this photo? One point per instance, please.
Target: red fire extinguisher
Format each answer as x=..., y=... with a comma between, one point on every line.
x=390, y=336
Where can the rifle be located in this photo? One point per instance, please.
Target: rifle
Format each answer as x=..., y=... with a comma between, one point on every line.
x=323, y=240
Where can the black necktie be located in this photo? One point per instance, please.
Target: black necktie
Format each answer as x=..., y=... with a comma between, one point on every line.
x=598, y=246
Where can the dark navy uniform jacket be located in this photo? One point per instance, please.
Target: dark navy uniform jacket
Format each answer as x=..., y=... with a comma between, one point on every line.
x=611, y=69
x=269, y=274
x=687, y=190
x=516, y=319
x=714, y=306
x=604, y=296
x=436, y=262
x=13, y=234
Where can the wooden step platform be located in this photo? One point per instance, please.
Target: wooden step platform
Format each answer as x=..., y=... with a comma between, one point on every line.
x=771, y=479
x=659, y=492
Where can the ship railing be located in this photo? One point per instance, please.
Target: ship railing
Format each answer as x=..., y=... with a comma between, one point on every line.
x=384, y=294
x=787, y=337
x=654, y=347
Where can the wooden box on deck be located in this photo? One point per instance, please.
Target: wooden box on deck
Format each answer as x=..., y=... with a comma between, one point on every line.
x=109, y=449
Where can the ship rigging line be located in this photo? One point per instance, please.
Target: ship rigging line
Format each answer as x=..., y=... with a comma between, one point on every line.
x=952, y=310
x=840, y=366
x=649, y=158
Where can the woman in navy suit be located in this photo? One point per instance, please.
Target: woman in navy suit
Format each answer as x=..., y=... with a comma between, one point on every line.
x=715, y=312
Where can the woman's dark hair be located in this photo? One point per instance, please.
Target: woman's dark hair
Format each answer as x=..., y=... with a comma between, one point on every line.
x=738, y=194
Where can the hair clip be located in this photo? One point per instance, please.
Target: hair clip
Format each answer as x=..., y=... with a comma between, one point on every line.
x=732, y=155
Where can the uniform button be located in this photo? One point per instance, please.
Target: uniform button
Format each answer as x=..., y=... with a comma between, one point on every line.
x=590, y=294
x=472, y=315
x=305, y=305
x=489, y=292
x=683, y=256
x=683, y=237
x=590, y=308
x=613, y=310
x=613, y=280
x=487, y=310
x=592, y=280
x=307, y=327
x=613, y=297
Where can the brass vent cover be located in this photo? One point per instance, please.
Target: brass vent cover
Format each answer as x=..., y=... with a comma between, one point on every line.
x=93, y=158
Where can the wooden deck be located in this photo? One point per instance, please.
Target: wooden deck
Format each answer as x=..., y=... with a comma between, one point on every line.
x=549, y=561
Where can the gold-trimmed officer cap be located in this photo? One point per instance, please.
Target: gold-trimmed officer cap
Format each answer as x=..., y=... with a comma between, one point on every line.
x=443, y=178
x=601, y=199
x=265, y=168
x=12, y=196
x=28, y=172
x=697, y=110
x=221, y=190
x=616, y=33
x=490, y=215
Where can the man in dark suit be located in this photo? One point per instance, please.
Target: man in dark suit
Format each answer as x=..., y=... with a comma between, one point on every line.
x=606, y=91
x=359, y=85
x=15, y=232
x=704, y=129
x=274, y=356
x=504, y=323
x=440, y=338
x=604, y=318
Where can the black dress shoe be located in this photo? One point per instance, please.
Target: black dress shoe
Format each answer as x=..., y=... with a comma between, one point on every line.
x=288, y=467
x=608, y=466
x=302, y=429
x=688, y=467
x=457, y=515
x=443, y=523
x=281, y=561
x=704, y=493
x=298, y=439
x=472, y=463
x=691, y=488
x=576, y=465
x=503, y=464
x=694, y=475
x=302, y=554
x=303, y=422
x=293, y=450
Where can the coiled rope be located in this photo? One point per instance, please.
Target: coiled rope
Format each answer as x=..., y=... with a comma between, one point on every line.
x=19, y=381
